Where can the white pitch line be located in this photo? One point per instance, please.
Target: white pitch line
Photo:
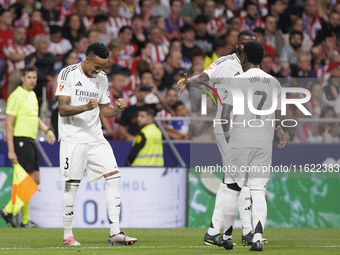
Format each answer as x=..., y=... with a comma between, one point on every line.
x=157, y=247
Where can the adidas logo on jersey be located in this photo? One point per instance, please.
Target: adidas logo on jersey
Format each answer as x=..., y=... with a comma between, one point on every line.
x=238, y=73
x=78, y=84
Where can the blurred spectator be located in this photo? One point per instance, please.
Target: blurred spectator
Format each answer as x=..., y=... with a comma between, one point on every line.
x=272, y=36
x=37, y=26
x=80, y=46
x=158, y=21
x=333, y=26
x=318, y=63
x=44, y=61
x=191, y=10
x=290, y=52
x=332, y=89
x=222, y=48
x=73, y=27
x=260, y=38
x=93, y=36
x=176, y=45
x=115, y=21
x=115, y=92
x=327, y=132
x=99, y=24
x=125, y=34
x=173, y=61
x=235, y=23
x=315, y=104
x=15, y=54
x=161, y=9
x=328, y=46
x=82, y=10
x=143, y=53
x=49, y=12
x=171, y=97
x=58, y=45
x=304, y=63
x=65, y=8
x=174, y=22
x=98, y=7
x=128, y=126
x=305, y=131
x=116, y=46
x=137, y=27
x=231, y=38
x=6, y=19
x=128, y=8
x=276, y=9
x=297, y=25
x=270, y=67
x=108, y=67
x=159, y=50
x=179, y=129
x=146, y=12
x=311, y=19
x=157, y=70
x=202, y=39
x=215, y=25
x=188, y=40
x=252, y=20
x=198, y=58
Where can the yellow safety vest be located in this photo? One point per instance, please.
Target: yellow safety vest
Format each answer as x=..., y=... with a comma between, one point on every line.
x=152, y=152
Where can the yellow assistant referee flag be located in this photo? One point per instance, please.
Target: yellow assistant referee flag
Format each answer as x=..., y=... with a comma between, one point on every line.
x=22, y=189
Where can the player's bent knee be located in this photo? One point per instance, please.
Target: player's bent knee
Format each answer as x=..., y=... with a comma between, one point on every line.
x=234, y=186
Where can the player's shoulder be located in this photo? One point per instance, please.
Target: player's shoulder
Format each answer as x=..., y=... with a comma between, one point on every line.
x=65, y=72
x=225, y=60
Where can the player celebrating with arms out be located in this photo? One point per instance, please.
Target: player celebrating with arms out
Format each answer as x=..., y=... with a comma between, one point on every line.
x=225, y=68
x=81, y=89
x=250, y=146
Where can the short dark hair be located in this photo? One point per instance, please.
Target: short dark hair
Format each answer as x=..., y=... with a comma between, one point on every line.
x=247, y=4
x=99, y=18
x=246, y=33
x=187, y=28
x=254, y=52
x=202, y=19
x=197, y=52
x=294, y=32
x=172, y=1
x=220, y=43
x=125, y=71
x=171, y=88
x=54, y=29
x=119, y=72
x=66, y=55
x=178, y=103
x=79, y=37
x=28, y=69
x=149, y=111
x=98, y=49
x=268, y=15
x=259, y=30
x=144, y=72
x=123, y=28
x=326, y=34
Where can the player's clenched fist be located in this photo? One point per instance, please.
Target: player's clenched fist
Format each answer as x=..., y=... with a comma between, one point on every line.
x=92, y=104
x=120, y=104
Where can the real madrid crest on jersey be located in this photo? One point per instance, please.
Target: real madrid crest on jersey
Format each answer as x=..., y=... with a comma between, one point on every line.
x=97, y=85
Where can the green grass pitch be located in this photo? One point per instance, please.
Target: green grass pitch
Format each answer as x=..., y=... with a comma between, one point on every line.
x=166, y=241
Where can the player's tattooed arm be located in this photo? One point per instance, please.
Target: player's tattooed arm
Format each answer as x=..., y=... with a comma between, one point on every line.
x=65, y=109
x=109, y=111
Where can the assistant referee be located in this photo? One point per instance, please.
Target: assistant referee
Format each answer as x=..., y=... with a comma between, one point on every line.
x=22, y=124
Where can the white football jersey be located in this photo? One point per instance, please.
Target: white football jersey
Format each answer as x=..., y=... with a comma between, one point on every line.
x=261, y=86
x=84, y=127
x=221, y=71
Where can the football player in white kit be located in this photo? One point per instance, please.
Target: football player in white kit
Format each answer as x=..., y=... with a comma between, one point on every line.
x=82, y=93
x=224, y=68
x=250, y=139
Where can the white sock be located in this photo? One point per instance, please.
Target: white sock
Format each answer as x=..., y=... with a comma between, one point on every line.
x=259, y=213
x=217, y=218
x=113, y=202
x=244, y=208
x=230, y=212
x=69, y=197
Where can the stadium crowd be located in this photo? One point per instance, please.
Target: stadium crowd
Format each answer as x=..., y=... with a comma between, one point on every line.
x=154, y=42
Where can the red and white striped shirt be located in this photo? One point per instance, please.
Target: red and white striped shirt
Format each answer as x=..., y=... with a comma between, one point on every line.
x=16, y=49
x=215, y=26
x=246, y=26
x=159, y=52
x=120, y=62
x=165, y=113
x=135, y=61
x=88, y=22
x=128, y=52
x=65, y=8
x=114, y=24
x=134, y=80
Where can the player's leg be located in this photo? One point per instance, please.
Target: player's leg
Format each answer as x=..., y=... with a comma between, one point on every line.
x=72, y=166
x=101, y=162
x=213, y=236
x=244, y=208
x=257, y=184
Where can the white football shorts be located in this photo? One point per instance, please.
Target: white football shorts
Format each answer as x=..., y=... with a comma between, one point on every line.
x=96, y=157
x=248, y=167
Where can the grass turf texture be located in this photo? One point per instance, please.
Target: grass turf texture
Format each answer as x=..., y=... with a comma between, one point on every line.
x=165, y=241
